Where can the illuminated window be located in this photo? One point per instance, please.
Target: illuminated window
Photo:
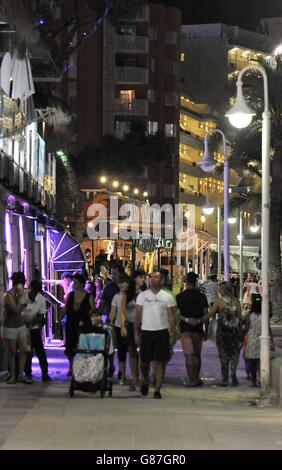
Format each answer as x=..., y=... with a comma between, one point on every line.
x=152, y=127
x=127, y=96
x=170, y=130
x=182, y=57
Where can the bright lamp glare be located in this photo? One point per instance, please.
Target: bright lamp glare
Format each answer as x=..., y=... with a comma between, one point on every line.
x=240, y=120
x=208, y=210
x=254, y=228
x=232, y=220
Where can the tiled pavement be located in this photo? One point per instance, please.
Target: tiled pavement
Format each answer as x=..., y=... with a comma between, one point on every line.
x=44, y=417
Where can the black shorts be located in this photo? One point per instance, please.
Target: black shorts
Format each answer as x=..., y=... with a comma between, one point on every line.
x=155, y=346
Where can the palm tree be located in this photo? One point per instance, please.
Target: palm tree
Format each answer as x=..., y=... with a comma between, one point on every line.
x=246, y=154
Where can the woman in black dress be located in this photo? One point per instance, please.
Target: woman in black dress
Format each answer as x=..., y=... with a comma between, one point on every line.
x=78, y=308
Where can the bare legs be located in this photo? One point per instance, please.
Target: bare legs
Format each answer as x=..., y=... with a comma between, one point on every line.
x=13, y=345
x=193, y=367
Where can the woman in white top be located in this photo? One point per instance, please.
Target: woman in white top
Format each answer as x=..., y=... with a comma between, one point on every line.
x=34, y=316
x=120, y=331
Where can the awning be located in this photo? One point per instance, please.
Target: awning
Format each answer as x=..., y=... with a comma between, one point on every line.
x=66, y=253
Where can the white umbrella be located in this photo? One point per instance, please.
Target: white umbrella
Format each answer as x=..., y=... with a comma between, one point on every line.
x=5, y=73
x=19, y=71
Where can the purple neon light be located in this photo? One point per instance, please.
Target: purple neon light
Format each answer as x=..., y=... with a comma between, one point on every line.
x=21, y=231
x=42, y=252
x=8, y=239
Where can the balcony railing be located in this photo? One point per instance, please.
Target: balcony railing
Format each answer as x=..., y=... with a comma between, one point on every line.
x=131, y=43
x=135, y=107
x=132, y=75
x=142, y=15
x=16, y=179
x=191, y=140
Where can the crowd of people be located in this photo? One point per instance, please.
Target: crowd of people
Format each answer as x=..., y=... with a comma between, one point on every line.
x=145, y=319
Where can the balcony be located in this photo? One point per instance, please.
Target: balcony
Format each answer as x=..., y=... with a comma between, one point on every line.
x=131, y=43
x=192, y=170
x=196, y=199
x=17, y=180
x=191, y=140
x=142, y=15
x=133, y=108
x=132, y=75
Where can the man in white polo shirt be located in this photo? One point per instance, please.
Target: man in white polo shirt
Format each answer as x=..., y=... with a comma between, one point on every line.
x=155, y=316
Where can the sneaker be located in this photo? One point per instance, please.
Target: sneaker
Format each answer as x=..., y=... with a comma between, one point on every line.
x=11, y=381
x=144, y=388
x=25, y=380
x=46, y=378
x=157, y=395
x=122, y=382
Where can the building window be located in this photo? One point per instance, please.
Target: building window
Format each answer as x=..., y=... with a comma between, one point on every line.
x=154, y=65
x=171, y=99
x=152, y=127
x=182, y=57
x=122, y=128
x=170, y=37
x=152, y=96
x=127, y=96
x=125, y=29
x=153, y=34
x=170, y=67
x=170, y=130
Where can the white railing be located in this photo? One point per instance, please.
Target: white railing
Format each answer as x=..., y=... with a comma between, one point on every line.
x=132, y=75
x=132, y=43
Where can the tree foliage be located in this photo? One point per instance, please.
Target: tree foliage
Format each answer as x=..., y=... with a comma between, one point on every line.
x=246, y=154
x=130, y=155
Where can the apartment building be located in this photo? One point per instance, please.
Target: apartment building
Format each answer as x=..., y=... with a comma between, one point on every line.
x=129, y=72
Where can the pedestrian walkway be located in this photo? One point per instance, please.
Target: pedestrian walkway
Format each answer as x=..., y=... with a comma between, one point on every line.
x=44, y=417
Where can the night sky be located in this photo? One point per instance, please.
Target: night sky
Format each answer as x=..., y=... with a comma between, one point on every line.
x=244, y=13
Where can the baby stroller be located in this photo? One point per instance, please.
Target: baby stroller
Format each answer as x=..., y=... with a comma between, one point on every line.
x=90, y=364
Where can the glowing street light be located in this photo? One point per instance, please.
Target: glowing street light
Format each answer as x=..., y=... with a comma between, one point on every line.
x=125, y=188
x=240, y=115
x=145, y=194
x=208, y=208
x=115, y=184
x=245, y=115
x=136, y=191
x=232, y=220
x=103, y=179
x=208, y=164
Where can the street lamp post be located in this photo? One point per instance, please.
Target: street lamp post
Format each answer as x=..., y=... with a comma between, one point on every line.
x=219, y=243
x=240, y=116
x=241, y=257
x=208, y=164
